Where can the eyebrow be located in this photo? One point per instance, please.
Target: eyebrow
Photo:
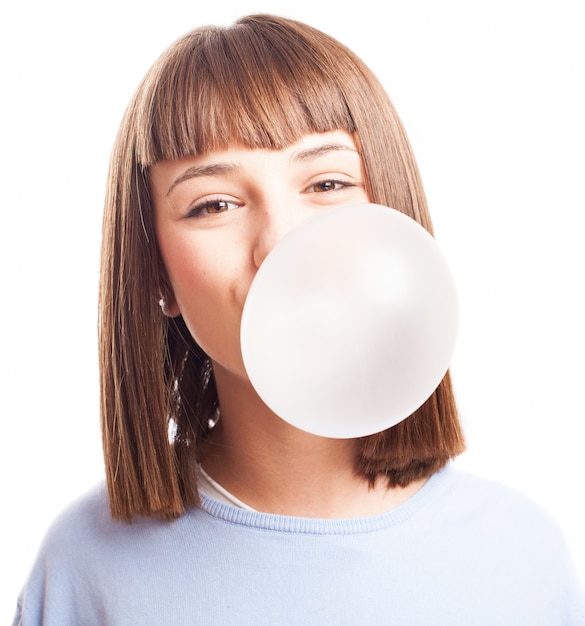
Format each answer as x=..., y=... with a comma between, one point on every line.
x=213, y=169
x=318, y=151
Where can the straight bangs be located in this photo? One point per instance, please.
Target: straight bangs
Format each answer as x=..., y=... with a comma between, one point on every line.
x=255, y=87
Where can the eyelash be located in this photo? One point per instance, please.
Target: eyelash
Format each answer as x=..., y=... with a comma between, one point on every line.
x=339, y=185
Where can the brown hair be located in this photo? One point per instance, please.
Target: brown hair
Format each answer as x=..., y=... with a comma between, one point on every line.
x=264, y=83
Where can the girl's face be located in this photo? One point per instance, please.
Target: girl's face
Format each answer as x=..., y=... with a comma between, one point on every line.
x=218, y=215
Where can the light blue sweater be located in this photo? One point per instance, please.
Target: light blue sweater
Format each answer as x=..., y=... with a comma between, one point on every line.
x=462, y=551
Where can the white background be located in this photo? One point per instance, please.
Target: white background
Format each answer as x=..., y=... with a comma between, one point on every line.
x=492, y=96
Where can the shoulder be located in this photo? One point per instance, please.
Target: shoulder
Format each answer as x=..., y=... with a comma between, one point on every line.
x=483, y=503
x=77, y=535
x=84, y=522
x=484, y=521
x=490, y=536
x=66, y=550
x=85, y=535
x=90, y=508
x=88, y=563
x=499, y=522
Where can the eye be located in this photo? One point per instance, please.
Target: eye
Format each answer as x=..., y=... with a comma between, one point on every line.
x=211, y=207
x=324, y=186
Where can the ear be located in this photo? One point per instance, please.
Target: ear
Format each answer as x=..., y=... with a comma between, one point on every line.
x=169, y=306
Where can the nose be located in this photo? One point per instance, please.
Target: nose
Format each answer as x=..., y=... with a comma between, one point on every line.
x=272, y=224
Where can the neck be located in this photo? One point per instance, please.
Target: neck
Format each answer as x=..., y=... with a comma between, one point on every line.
x=276, y=468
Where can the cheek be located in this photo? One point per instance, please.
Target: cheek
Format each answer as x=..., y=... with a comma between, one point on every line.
x=210, y=286
x=200, y=270
x=197, y=276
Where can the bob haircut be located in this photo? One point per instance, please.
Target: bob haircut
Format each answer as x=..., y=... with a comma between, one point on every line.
x=263, y=82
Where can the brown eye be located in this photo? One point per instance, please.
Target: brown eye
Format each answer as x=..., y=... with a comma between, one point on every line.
x=212, y=207
x=324, y=186
x=217, y=207
x=327, y=185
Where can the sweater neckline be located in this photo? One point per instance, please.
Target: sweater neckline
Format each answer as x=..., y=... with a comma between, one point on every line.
x=315, y=526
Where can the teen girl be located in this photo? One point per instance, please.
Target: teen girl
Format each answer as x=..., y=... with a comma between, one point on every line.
x=216, y=511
